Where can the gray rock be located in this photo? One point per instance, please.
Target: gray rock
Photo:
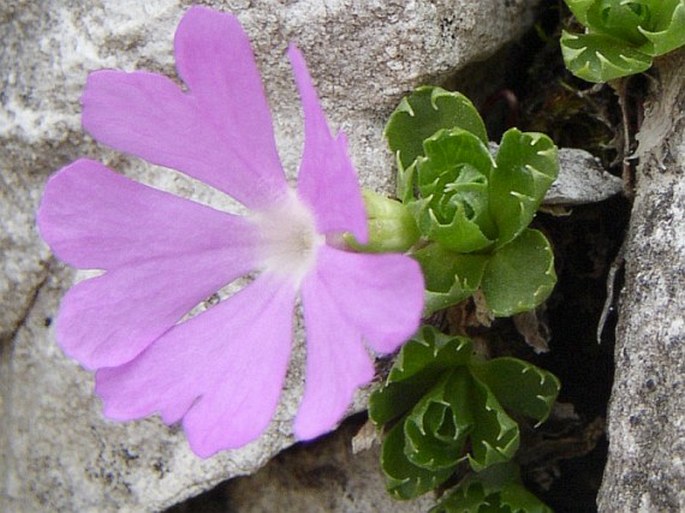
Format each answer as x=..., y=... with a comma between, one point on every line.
x=325, y=477
x=56, y=451
x=646, y=421
x=581, y=180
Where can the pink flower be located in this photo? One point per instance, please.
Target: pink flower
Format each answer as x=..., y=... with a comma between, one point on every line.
x=221, y=372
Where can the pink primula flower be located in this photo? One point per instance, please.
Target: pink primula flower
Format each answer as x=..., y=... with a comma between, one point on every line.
x=220, y=372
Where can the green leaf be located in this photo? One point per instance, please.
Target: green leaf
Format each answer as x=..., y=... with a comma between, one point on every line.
x=450, y=277
x=430, y=351
x=457, y=410
x=620, y=19
x=458, y=233
x=449, y=406
x=467, y=497
x=421, y=451
x=437, y=428
x=424, y=112
x=452, y=181
x=405, y=182
x=527, y=164
x=516, y=499
x=622, y=36
x=579, y=8
x=519, y=386
x=495, y=435
x=404, y=480
x=520, y=275
x=600, y=58
x=667, y=30
x=446, y=150
x=419, y=365
x=496, y=489
x=436, y=301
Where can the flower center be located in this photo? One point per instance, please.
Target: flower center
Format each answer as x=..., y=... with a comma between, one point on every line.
x=289, y=238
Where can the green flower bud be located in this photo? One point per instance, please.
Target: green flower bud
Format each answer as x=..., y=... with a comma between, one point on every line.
x=392, y=228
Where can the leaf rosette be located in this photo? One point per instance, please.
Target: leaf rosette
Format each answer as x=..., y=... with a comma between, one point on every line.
x=472, y=208
x=621, y=36
x=452, y=207
x=447, y=407
x=497, y=489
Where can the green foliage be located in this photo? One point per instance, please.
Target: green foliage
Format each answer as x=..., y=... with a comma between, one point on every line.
x=391, y=226
x=450, y=277
x=450, y=407
x=465, y=212
x=527, y=164
x=418, y=117
x=471, y=209
x=520, y=275
x=507, y=377
x=495, y=490
x=621, y=36
x=444, y=408
x=452, y=181
x=423, y=113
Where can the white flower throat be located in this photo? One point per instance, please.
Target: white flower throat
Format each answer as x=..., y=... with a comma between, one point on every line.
x=289, y=238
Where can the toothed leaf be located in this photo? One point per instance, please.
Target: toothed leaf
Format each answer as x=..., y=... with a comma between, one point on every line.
x=579, y=8
x=520, y=386
x=620, y=19
x=495, y=435
x=600, y=57
x=497, y=489
x=419, y=365
x=452, y=181
x=449, y=406
x=424, y=112
x=438, y=426
x=450, y=277
x=621, y=36
x=527, y=164
x=519, y=276
x=403, y=479
x=667, y=30
x=419, y=116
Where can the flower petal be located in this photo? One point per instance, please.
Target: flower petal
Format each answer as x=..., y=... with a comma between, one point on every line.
x=327, y=179
x=94, y=218
x=337, y=362
x=222, y=371
x=219, y=132
x=380, y=294
x=108, y=320
x=215, y=60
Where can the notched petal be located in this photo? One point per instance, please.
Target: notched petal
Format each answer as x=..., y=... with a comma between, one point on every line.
x=327, y=179
x=222, y=371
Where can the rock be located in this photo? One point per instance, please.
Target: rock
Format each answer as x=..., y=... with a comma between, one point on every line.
x=645, y=471
x=323, y=477
x=581, y=180
x=57, y=453
x=24, y=263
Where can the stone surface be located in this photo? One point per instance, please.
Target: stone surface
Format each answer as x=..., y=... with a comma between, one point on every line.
x=56, y=451
x=581, y=180
x=324, y=477
x=645, y=472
